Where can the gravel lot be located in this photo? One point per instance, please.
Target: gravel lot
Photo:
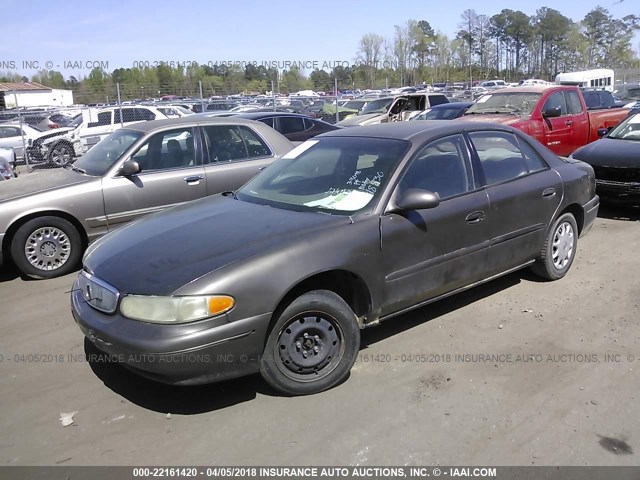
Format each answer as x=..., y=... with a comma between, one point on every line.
x=424, y=391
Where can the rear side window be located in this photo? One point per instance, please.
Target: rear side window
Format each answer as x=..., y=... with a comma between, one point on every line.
x=291, y=125
x=142, y=114
x=7, y=132
x=267, y=121
x=254, y=144
x=573, y=102
x=503, y=157
x=128, y=115
x=104, y=118
x=233, y=143
x=437, y=100
x=224, y=143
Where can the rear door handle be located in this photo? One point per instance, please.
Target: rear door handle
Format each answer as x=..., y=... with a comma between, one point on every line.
x=475, y=217
x=549, y=192
x=193, y=178
x=568, y=123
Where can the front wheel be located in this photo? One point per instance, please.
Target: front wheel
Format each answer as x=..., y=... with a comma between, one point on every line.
x=312, y=346
x=559, y=250
x=61, y=155
x=46, y=247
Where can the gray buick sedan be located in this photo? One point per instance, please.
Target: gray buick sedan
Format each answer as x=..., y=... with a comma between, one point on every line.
x=348, y=229
x=48, y=218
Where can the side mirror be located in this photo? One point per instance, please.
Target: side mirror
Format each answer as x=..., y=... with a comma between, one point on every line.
x=416, y=199
x=551, y=112
x=602, y=132
x=130, y=167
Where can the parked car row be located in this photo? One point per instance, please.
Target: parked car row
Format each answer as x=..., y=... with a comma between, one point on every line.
x=214, y=235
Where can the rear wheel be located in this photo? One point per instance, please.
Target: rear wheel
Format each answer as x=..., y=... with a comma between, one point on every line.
x=559, y=250
x=312, y=345
x=46, y=247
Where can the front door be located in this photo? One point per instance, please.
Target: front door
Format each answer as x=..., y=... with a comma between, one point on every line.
x=171, y=173
x=426, y=253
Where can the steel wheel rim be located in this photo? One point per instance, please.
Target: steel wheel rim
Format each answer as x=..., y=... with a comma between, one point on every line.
x=316, y=335
x=47, y=248
x=562, y=245
x=61, y=156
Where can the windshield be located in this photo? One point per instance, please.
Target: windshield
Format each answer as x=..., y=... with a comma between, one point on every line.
x=106, y=152
x=354, y=104
x=521, y=103
x=333, y=175
x=77, y=120
x=377, y=106
x=629, y=129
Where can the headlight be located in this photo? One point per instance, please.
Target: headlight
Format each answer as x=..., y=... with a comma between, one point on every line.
x=174, y=309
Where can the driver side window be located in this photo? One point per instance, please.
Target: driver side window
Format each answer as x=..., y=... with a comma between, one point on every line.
x=442, y=167
x=556, y=100
x=167, y=150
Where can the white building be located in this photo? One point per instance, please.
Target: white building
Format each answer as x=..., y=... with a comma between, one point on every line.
x=33, y=94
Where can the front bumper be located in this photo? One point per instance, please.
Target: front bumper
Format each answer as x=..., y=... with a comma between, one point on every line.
x=200, y=352
x=590, y=213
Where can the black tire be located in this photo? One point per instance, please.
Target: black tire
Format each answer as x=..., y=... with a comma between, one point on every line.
x=296, y=364
x=46, y=247
x=61, y=154
x=559, y=250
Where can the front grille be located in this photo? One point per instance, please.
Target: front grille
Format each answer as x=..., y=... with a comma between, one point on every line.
x=618, y=174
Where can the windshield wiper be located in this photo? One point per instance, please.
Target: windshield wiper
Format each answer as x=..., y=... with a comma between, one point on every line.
x=77, y=169
x=229, y=193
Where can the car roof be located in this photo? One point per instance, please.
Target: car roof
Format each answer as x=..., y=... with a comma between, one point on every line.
x=258, y=115
x=150, y=125
x=451, y=105
x=528, y=89
x=414, y=130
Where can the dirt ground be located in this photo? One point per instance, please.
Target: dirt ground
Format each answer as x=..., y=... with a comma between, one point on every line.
x=515, y=372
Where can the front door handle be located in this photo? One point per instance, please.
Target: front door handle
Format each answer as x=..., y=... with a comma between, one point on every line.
x=568, y=123
x=549, y=193
x=193, y=179
x=475, y=217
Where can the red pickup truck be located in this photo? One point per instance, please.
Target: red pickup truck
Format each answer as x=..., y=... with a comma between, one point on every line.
x=556, y=115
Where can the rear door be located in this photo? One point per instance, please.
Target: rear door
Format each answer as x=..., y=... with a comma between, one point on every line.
x=171, y=174
x=233, y=154
x=524, y=194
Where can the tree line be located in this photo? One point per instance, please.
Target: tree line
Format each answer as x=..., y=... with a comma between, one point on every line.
x=510, y=45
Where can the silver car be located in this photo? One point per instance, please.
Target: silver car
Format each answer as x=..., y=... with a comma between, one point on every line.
x=48, y=218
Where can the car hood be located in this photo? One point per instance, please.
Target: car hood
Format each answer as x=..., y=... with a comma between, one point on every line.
x=608, y=152
x=53, y=133
x=503, y=119
x=163, y=252
x=366, y=119
x=41, y=181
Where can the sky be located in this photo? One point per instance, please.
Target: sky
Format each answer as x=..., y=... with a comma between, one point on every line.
x=73, y=36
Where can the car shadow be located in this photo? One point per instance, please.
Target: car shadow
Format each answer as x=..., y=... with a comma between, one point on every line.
x=406, y=321
x=179, y=400
x=191, y=400
x=9, y=273
x=619, y=212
